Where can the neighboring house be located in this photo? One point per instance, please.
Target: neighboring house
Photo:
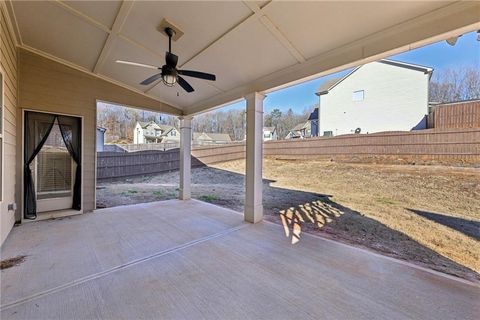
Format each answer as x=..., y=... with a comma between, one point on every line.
x=151, y=132
x=313, y=119
x=100, y=139
x=269, y=133
x=384, y=95
x=210, y=138
x=300, y=131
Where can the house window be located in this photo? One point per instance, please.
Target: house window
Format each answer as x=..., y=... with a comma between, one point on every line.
x=54, y=174
x=54, y=167
x=328, y=133
x=266, y=135
x=358, y=95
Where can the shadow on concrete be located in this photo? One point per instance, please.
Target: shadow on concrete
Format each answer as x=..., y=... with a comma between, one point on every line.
x=467, y=227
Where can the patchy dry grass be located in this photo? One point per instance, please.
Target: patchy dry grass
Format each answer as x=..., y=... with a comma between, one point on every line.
x=428, y=215
x=403, y=211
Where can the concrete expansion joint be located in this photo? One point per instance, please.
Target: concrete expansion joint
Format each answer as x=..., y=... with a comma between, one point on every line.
x=123, y=266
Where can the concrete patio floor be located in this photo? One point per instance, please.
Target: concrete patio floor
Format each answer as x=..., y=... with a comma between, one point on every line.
x=192, y=260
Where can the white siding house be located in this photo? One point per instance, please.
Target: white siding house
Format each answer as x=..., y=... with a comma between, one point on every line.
x=100, y=139
x=151, y=132
x=269, y=133
x=380, y=96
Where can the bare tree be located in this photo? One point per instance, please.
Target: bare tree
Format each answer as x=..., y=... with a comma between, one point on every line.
x=455, y=85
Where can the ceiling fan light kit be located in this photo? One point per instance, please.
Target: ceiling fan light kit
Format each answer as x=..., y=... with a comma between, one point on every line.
x=170, y=75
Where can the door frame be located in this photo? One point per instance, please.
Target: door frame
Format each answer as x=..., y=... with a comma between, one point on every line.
x=53, y=214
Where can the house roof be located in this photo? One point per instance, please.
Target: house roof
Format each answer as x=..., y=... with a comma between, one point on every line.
x=329, y=84
x=212, y=136
x=219, y=136
x=165, y=128
x=147, y=123
x=300, y=126
x=270, y=129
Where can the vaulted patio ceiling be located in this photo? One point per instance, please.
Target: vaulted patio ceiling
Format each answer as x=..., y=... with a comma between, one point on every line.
x=250, y=46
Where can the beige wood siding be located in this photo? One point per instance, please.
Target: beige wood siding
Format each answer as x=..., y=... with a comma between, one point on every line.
x=8, y=61
x=49, y=86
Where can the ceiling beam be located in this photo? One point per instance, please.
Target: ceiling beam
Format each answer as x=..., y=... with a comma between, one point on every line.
x=113, y=35
x=268, y=23
x=450, y=20
x=82, y=15
x=274, y=30
x=99, y=25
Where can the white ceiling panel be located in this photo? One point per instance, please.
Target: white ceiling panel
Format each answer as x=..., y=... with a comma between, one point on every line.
x=247, y=53
x=101, y=11
x=131, y=75
x=227, y=39
x=47, y=27
x=201, y=22
x=184, y=99
x=319, y=26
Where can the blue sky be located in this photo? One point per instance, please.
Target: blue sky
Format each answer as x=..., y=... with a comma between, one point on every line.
x=439, y=55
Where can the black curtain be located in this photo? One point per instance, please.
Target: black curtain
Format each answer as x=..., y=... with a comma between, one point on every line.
x=70, y=127
x=37, y=128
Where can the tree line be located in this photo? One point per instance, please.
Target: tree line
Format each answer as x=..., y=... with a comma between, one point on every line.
x=120, y=121
x=456, y=84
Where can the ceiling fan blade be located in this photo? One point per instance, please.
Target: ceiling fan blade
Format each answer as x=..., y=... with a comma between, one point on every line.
x=151, y=79
x=137, y=64
x=197, y=74
x=184, y=84
x=171, y=59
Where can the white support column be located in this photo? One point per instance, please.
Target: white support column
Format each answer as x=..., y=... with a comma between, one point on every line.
x=253, y=175
x=185, y=157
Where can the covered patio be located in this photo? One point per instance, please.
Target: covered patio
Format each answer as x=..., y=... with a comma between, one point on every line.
x=183, y=258
x=188, y=259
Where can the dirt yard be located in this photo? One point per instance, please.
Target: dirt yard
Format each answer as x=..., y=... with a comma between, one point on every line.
x=428, y=215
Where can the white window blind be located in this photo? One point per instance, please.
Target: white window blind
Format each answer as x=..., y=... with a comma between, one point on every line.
x=54, y=167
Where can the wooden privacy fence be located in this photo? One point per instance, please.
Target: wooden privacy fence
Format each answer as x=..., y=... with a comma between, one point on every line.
x=464, y=114
x=450, y=145
x=113, y=165
x=458, y=145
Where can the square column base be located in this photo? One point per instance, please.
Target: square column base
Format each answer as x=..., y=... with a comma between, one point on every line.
x=184, y=195
x=253, y=214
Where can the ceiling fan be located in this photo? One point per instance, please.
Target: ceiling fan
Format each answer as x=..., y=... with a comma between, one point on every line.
x=170, y=74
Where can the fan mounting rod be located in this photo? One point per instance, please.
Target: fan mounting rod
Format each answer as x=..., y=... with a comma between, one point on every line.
x=170, y=33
